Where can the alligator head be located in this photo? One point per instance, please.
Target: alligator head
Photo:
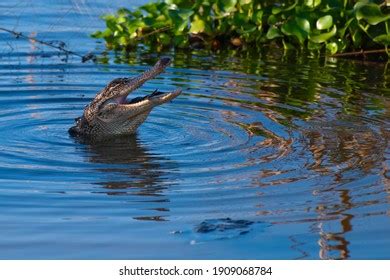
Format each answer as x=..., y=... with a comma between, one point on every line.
x=111, y=114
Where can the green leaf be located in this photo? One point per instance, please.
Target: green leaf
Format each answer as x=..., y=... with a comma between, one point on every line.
x=119, y=27
x=123, y=40
x=122, y=12
x=164, y=39
x=344, y=28
x=291, y=7
x=245, y=2
x=120, y=20
x=133, y=25
x=321, y=38
x=197, y=25
x=272, y=20
x=107, y=33
x=276, y=10
x=109, y=17
x=312, y=3
x=357, y=38
x=304, y=24
x=110, y=21
x=178, y=22
x=180, y=41
x=257, y=17
x=273, y=32
x=291, y=28
x=332, y=47
x=227, y=6
x=185, y=13
x=151, y=8
x=136, y=14
x=248, y=28
x=97, y=34
x=342, y=44
x=383, y=39
x=324, y=22
x=239, y=19
x=370, y=12
x=287, y=46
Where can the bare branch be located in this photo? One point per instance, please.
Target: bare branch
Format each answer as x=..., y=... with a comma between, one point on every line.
x=60, y=46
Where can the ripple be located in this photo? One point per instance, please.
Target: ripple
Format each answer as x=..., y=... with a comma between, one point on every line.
x=305, y=156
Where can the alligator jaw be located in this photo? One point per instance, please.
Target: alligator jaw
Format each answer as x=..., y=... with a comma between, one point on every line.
x=110, y=114
x=118, y=90
x=140, y=105
x=156, y=97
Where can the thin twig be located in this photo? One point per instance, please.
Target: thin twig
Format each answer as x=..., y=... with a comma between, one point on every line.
x=165, y=28
x=359, y=53
x=58, y=47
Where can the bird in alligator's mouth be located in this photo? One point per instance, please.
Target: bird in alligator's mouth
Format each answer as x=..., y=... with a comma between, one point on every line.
x=110, y=113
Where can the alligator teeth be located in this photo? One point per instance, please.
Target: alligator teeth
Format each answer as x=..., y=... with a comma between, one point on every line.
x=138, y=99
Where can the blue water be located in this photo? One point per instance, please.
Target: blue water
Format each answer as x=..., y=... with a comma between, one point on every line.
x=262, y=156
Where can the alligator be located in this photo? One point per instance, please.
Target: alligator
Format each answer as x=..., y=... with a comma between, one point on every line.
x=110, y=113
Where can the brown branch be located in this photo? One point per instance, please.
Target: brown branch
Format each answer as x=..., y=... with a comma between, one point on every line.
x=165, y=28
x=358, y=53
x=58, y=47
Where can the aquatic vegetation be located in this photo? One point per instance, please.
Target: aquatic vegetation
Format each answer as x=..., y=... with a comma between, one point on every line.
x=333, y=26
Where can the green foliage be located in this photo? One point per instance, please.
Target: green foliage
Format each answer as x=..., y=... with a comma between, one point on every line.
x=330, y=25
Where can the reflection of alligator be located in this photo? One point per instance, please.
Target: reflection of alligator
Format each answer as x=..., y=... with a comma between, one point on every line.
x=110, y=114
x=133, y=172
x=131, y=163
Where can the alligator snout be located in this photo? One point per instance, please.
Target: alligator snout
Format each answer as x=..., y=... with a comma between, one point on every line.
x=110, y=113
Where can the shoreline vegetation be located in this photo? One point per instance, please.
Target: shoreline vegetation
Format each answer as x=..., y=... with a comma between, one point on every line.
x=331, y=27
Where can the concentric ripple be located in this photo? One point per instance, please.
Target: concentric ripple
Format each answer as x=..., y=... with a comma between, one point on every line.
x=285, y=152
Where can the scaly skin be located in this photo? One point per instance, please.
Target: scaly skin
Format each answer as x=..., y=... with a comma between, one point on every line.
x=110, y=114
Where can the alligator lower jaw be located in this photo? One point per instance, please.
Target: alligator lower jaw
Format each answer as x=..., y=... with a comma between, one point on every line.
x=123, y=99
x=149, y=96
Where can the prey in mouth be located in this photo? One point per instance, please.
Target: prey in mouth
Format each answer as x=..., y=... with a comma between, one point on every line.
x=110, y=113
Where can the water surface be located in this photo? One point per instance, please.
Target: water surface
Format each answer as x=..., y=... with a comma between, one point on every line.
x=264, y=156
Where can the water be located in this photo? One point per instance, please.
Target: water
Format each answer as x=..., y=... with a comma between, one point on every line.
x=261, y=157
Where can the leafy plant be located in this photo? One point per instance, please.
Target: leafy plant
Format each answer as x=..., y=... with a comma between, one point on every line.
x=331, y=25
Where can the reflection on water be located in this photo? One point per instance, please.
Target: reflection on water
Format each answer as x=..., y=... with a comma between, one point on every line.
x=132, y=171
x=269, y=155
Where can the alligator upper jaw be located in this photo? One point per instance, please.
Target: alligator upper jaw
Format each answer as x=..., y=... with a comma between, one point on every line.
x=126, y=86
